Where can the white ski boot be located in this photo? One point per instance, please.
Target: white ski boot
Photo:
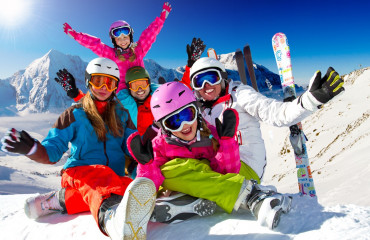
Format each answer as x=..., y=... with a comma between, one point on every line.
x=42, y=205
x=179, y=207
x=265, y=203
x=129, y=219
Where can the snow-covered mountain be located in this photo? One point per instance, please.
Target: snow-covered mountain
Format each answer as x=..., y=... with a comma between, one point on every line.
x=338, y=147
x=35, y=90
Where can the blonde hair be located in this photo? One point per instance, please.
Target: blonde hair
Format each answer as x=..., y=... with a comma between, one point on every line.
x=107, y=122
x=206, y=132
x=132, y=54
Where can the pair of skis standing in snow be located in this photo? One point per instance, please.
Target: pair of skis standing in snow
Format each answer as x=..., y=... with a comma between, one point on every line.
x=120, y=216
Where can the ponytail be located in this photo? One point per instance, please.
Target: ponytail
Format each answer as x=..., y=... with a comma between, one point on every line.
x=206, y=132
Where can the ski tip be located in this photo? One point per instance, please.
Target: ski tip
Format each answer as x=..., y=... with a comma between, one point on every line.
x=212, y=53
x=278, y=35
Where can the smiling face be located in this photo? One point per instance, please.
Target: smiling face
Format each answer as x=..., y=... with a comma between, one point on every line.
x=209, y=92
x=188, y=132
x=123, y=41
x=140, y=94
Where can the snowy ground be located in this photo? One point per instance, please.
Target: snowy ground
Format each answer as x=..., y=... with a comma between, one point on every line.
x=338, y=148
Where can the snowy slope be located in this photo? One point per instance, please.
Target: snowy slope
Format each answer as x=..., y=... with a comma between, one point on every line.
x=338, y=147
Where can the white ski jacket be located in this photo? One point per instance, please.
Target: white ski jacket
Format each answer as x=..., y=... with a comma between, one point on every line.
x=252, y=108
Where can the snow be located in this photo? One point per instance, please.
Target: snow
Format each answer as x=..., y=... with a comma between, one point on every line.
x=339, y=139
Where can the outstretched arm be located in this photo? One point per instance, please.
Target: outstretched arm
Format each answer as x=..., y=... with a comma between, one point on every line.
x=22, y=143
x=91, y=42
x=149, y=35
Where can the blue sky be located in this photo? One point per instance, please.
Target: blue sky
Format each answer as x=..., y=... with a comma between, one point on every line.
x=321, y=33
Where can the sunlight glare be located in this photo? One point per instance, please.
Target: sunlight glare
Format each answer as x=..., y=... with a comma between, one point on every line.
x=13, y=12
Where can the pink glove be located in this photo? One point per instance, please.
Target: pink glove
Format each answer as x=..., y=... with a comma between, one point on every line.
x=166, y=10
x=69, y=31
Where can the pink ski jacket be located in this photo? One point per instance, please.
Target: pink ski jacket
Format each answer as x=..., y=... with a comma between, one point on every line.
x=147, y=38
x=165, y=148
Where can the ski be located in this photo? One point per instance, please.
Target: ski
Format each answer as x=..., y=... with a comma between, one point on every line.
x=297, y=137
x=248, y=60
x=161, y=80
x=240, y=64
x=212, y=53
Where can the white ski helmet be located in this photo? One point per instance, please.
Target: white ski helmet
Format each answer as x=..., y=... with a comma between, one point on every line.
x=101, y=65
x=208, y=63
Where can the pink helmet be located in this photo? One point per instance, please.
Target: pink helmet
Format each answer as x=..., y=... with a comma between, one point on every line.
x=170, y=97
x=119, y=23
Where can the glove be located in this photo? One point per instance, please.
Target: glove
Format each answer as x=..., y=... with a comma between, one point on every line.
x=67, y=81
x=322, y=90
x=18, y=142
x=194, y=51
x=142, y=153
x=166, y=10
x=69, y=31
x=150, y=133
x=229, y=126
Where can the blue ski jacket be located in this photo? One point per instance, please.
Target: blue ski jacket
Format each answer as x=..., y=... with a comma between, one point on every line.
x=74, y=127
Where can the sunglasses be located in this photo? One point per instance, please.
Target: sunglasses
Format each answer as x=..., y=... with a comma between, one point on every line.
x=99, y=80
x=142, y=83
x=176, y=121
x=116, y=32
x=210, y=76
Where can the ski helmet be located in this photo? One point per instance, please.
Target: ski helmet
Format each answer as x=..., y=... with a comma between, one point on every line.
x=135, y=73
x=120, y=23
x=208, y=63
x=170, y=97
x=101, y=65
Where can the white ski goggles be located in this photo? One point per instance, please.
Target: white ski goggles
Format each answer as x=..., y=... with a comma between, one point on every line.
x=210, y=76
x=176, y=121
x=118, y=31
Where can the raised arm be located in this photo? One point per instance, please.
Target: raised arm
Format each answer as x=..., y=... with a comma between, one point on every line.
x=149, y=35
x=91, y=42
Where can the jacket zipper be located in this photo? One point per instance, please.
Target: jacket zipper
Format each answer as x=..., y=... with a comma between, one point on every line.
x=105, y=153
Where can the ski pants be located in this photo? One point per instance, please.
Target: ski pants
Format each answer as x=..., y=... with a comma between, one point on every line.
x=196, y=178
x=87, y=186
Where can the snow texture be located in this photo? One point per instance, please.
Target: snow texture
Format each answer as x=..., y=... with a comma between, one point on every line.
x=338, y=143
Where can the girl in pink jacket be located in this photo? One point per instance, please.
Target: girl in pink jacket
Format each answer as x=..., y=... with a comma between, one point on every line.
x=125, y=52
x=192, y=157
x=186, y=135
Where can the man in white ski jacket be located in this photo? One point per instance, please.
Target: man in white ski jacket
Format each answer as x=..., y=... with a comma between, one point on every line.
x=208, y=79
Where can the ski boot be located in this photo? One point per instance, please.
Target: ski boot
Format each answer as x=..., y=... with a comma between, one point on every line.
x=179, y=207
x=265, y=203
x=129, y=218
x=42, y=205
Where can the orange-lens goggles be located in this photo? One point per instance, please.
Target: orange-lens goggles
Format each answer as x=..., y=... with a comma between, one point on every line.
x=139, y=83
x=99, y=80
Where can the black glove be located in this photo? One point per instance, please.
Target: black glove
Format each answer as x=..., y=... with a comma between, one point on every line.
x=194, y=51
x=142, y=153
x=229, y=125
x=150, y=133
x=322, y=90
x=68, y=83
x=17, y=142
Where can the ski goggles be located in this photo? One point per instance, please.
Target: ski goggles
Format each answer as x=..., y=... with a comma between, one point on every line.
x=142, y=83
x=210, y=76
x=176, y=121
x=116, y=32
x=99, y=80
